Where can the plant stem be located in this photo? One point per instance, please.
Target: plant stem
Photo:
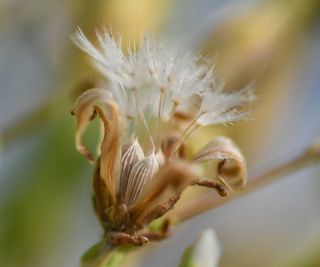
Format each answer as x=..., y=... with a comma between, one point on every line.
x=210, y=201
x=103, y=255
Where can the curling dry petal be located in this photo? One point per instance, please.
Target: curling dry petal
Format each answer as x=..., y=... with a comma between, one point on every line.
x=168, y=183
x=84, y=111
x=110, y=147
x=231, y=165
x=101, y=195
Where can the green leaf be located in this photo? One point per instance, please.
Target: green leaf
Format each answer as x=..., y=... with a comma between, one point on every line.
x=205, y=252
x=186, y=260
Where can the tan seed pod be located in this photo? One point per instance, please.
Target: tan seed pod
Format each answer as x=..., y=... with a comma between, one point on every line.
x=131, y=156
x=140, y=175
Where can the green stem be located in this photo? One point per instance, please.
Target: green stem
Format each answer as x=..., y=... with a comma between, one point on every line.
x=102, y=255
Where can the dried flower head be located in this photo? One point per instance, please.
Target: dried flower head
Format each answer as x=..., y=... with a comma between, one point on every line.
x=155, y=97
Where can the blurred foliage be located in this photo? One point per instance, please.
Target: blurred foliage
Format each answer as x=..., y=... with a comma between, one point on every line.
x=204, y=252
x=45, y=185
x=257, y=44
x=262, y=45
x=34, y=211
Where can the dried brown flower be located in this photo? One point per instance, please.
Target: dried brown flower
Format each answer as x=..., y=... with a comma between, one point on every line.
x=156, y=97
x=132, y=189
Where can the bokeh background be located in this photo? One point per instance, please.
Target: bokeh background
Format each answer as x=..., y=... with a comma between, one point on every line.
x=46, y=218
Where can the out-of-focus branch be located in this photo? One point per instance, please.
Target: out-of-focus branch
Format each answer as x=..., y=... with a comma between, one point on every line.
x=40, y=114
x=25, y=124
x=210, y=201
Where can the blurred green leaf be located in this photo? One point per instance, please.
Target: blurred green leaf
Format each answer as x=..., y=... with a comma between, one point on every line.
x=33, y=213
x=205, y=252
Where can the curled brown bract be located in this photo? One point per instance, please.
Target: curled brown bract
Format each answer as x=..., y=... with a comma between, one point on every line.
x=84, y=111
x=231, y=167
x=101, y=196
x=164, y=190
x=110, y=147
x=88, y=105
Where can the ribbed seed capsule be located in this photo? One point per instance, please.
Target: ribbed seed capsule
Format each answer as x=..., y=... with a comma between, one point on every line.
x=141, y=174
x=130, y=157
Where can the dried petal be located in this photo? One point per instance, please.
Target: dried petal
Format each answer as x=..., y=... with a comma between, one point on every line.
x=132, y=155
x=231, y=168
x=84, y=111
x=101, y=196
x=168, y=183
x=110, y=147
x=141, y=174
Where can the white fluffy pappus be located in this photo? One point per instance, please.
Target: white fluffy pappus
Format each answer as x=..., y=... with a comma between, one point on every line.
x=159, y=77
